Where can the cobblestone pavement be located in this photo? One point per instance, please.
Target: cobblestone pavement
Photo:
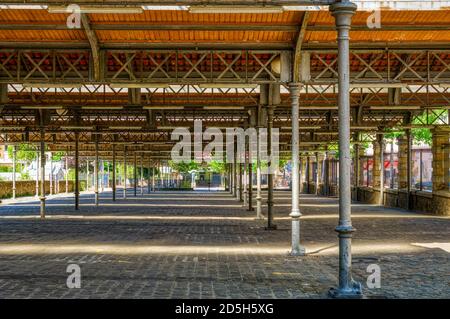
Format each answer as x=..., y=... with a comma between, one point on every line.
x=206, y=245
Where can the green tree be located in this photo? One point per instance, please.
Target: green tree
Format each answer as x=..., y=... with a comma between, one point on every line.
x=25, y=153
x=216, y=167
x=184, y=167
x=424, y=135
x=57, y=156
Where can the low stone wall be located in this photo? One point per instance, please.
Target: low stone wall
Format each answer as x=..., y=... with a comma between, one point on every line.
x=424, y=202
x=440, y=205
x=332, y=190
x=28, y=188
x=437, y=203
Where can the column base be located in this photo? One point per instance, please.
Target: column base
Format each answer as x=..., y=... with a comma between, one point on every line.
x=272, y=227
x=250, y=209
x=301, y=251
x=353, y=292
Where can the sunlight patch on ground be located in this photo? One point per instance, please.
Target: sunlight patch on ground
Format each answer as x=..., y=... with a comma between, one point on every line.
x=146, y=249
x=202, y=218
x=443, y=246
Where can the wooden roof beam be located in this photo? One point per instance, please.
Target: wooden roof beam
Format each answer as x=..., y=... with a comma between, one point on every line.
x=298, y=47
x=94, y=44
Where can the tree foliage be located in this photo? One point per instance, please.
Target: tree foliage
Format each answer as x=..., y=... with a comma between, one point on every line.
x=184, y=167
x=25, y=153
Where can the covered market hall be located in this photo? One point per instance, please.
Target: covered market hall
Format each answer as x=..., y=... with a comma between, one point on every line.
x=315, y=137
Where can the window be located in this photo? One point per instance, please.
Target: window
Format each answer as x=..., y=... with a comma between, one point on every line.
x=422, y=169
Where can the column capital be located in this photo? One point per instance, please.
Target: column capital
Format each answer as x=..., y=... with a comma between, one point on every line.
x=343, y=11
x=294, y=88
x=270, y=109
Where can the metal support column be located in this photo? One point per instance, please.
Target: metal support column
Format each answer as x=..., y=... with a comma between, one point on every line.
x=102, y=176
x=240, y=182
x=67, y=172
x=296, y=248
x=357, y=163
x=77, y=177
x=250, y=179
x=87, y=173
x=236, y=180
x=408, y=169
x=113, y=181
x=14, y=172
x=316, y=191
x=149, y=184
x=348, y=288
x=42, y=148
x=308, y=170
x=153, y=179
x=96, y=171
x=245, y=172
x=37, y=173
x=142, y=177
x=125, y=173
x=258, y=176
x=135, y=174
x=270, y=224
x=391, y=165
x=382, y=147
x=50, y=175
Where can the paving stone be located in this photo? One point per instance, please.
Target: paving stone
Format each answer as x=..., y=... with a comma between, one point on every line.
x=224, y=252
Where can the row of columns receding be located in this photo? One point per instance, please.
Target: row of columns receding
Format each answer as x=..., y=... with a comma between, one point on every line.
x=342, y=12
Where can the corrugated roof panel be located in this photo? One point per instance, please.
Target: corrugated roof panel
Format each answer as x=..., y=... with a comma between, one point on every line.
x=42, y=35
x=203, y=36
x=381, y=36
x=387, y=17
x=171, y=16
x=29, y=16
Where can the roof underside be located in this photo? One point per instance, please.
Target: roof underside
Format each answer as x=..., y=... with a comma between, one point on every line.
x=188, y=49
x=206, y=28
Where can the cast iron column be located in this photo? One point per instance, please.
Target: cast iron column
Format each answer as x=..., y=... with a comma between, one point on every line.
x=408, y=169
x=96, y=171
x=317, y=174
x=102, y=176
x=37, y=173
x=135, y=174
x=148, y=178
x=87, y=173
x=258, y=176
x=153, y=179
x=50, y=175
x=382, y=147
x=125, y=173
x=250, y=179
x=236, y=180
x=343, y=12
x=67, y=172
x=113, y=181
x=42, y=196
x=296, y=248
x=14, y=172
x=240, y=182
x=142, y=177
x=270, y=224
x=245, y=171
x=356, y=164
x=77, y=167
x=307, y=174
